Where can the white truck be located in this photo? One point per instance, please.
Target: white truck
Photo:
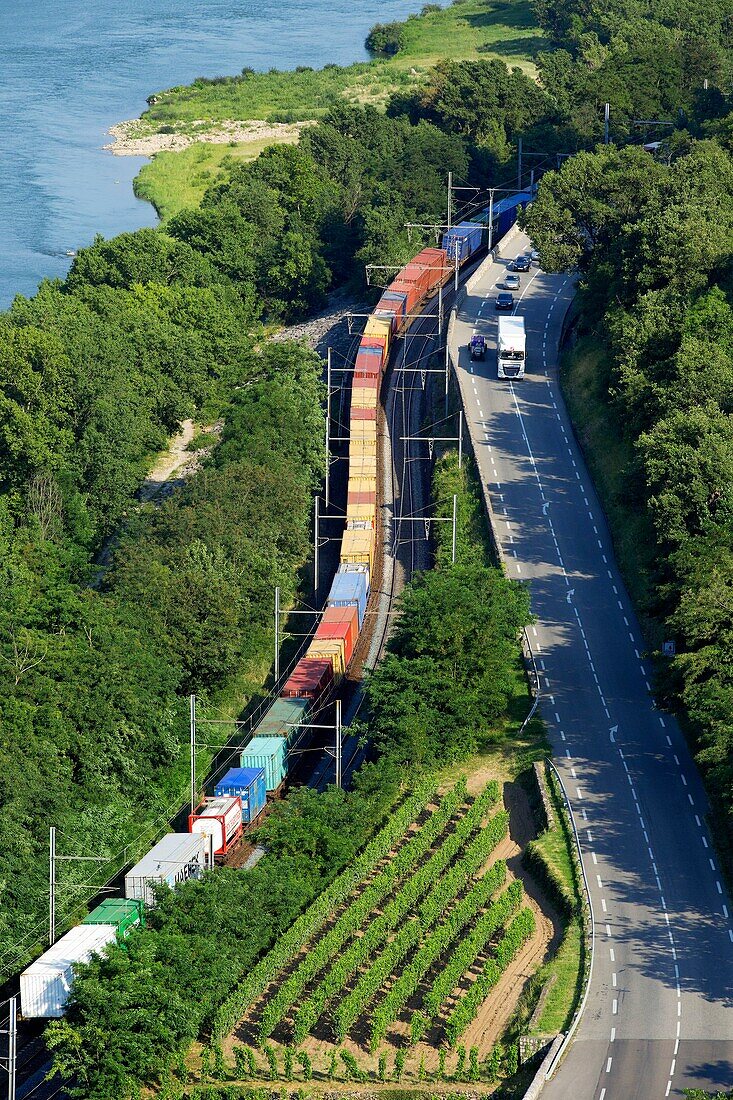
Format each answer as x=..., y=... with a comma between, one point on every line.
x=511, y=347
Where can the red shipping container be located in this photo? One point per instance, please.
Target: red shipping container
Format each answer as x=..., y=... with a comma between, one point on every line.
x=372, y=345
x=362, y=498
x=436, y=262
x=413, y=292
x=367, y=366
x=340, y=623
x=363, y=414
x=309, y=679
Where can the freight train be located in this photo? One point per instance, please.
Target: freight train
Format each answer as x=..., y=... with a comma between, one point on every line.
x=240, y=796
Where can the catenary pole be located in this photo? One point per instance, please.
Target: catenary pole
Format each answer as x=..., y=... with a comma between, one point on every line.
x=450, y=199
x=606, y=123
x=315, y=548
x=491, y=219
x=338, y=743
x=328, y=424
x=277, y=636
x=12, y=1046
x=460, y=439
x=52, y=885
x=192, y=732
x=9, y=1063
x=447, y=374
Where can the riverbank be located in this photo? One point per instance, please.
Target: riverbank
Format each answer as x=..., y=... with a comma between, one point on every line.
x=196, y=133
x=133, y=139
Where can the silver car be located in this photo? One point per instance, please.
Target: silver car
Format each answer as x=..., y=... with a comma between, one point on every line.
x=512, y=282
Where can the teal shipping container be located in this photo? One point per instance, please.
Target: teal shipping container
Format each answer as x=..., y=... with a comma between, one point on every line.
x=270, y=754
x=285, y=718
x=123, y=913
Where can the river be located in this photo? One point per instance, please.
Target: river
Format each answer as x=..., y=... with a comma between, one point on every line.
x=70, y=69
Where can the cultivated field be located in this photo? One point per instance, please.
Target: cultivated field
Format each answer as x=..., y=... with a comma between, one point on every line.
x=417, y=969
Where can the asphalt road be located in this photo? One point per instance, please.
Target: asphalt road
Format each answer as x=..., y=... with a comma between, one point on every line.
x=659, y=1016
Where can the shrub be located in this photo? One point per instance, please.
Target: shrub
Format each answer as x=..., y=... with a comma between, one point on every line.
x=385, y=38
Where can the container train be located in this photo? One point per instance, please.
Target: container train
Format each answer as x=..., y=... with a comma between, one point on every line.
x=240, y=796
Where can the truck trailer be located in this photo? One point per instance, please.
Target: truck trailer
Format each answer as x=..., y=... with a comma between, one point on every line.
x=511, y=347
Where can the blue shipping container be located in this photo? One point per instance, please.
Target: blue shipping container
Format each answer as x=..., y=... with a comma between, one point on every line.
x=505, y=212
x=270, y=754
x=284, y=719
x=464, y=239
x=249, y=785
x=350, y=588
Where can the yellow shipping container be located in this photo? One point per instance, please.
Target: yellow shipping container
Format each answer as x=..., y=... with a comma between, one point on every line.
x=362, y=466
x=364, y=397
x=356, y=513
x=323, y=649
x=357, y=548
x=359, y=447
x=363, y=429
x=379, y=328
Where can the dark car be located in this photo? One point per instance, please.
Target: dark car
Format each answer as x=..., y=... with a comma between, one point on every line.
x=505, y=300
x=477, y=347
x=521, y=263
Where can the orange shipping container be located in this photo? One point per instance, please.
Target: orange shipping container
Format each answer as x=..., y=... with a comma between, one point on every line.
x=340, y=623
x=364, y=414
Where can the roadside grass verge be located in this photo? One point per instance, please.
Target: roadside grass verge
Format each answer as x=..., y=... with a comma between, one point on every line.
x=566, y=966
x=584, y=377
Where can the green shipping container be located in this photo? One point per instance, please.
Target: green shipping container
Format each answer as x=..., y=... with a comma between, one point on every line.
x=271, y=754
x=284, y=719
x=121, y=912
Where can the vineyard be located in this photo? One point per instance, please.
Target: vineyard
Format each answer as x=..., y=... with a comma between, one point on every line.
x=403, y=949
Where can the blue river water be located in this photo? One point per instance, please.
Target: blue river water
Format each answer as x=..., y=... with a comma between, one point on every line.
x=70, y=69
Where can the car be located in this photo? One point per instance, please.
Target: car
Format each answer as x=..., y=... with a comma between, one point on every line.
x=512, y=282
x=477, y=347
x=534, y=256
x=520, y=263
x=504, y=300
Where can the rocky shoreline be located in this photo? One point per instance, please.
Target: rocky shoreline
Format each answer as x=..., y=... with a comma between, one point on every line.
x=133, y=138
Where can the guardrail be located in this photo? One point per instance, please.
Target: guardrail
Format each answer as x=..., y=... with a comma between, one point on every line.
x=551, y=1063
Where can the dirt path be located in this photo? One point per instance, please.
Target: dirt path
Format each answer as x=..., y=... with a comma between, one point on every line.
x=169, y=462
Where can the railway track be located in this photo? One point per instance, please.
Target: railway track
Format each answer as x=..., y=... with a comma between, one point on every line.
x=406, y=492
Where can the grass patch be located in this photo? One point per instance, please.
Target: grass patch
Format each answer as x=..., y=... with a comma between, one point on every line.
x=553, y=862
x=176, y=181
x=585, y=374
x=503, y=29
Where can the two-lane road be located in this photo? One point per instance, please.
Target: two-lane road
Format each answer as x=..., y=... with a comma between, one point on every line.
x=659, y=1017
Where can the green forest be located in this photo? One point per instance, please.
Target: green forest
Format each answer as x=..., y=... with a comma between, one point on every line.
x=97, y=371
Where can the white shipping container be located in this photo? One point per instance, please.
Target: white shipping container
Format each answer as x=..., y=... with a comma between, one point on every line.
x=46, y=984
x=220, y=818
x=175, y=858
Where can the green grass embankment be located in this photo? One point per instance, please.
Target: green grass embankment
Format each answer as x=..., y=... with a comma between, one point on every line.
x=175, y=181
x=585, y=376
